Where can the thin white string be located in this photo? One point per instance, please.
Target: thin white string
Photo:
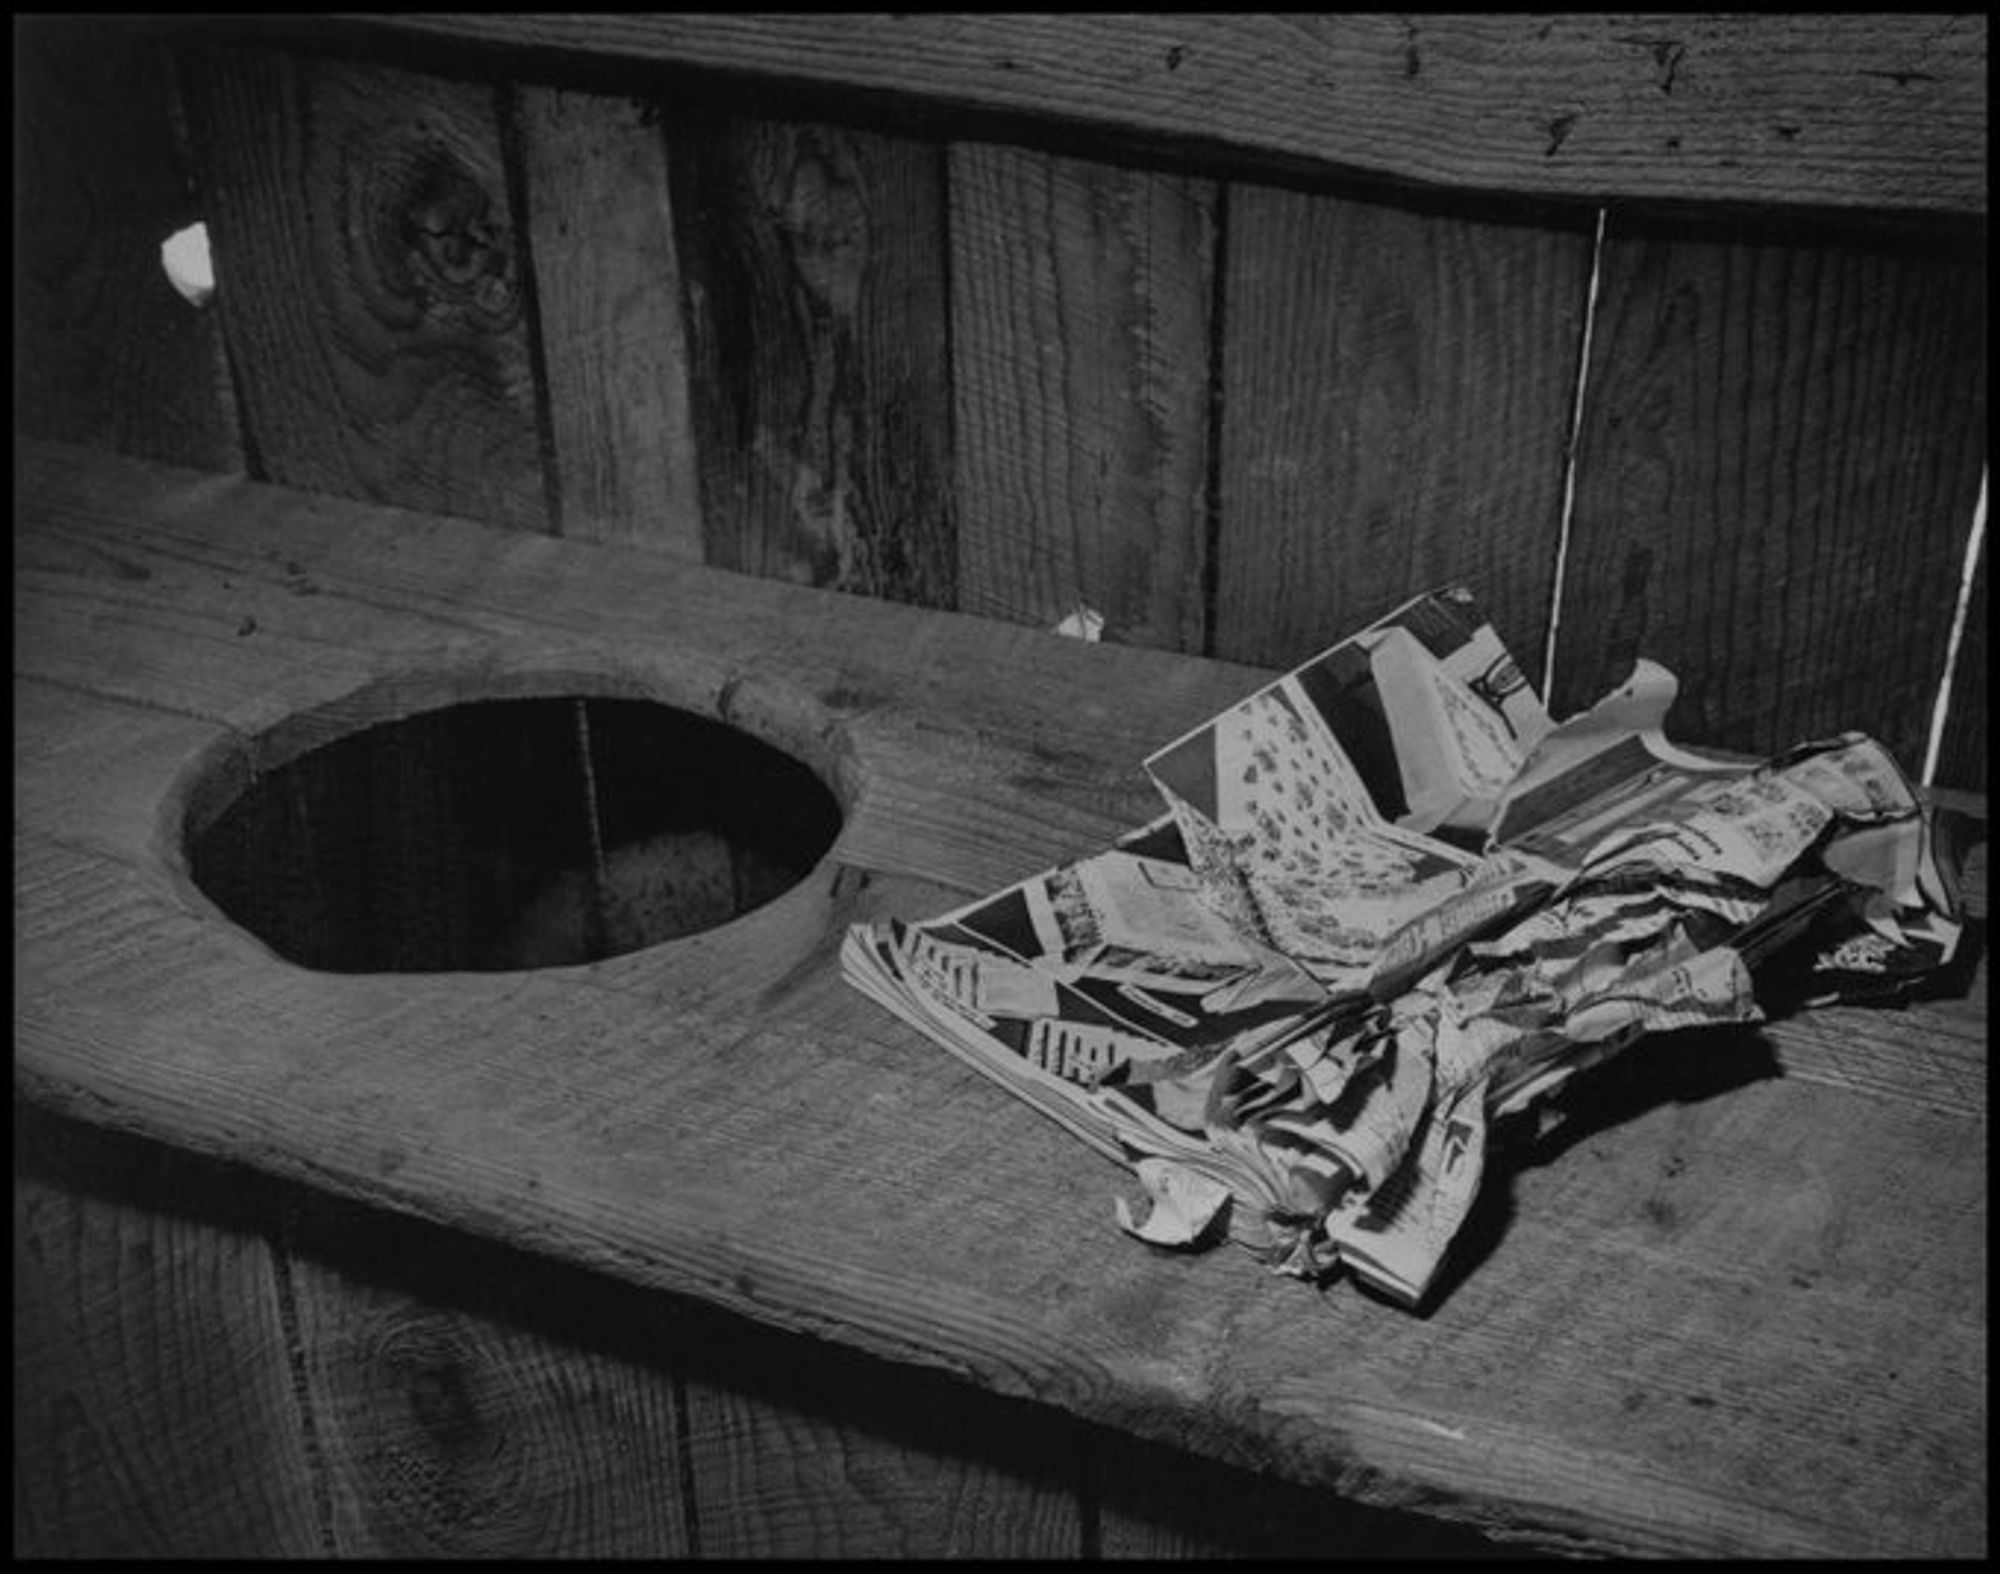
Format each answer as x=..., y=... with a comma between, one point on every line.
x=597, y=927
x=1569, y=460
x=1974, y=541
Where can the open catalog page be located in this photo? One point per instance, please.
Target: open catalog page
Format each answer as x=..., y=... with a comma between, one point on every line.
x=1390, y=902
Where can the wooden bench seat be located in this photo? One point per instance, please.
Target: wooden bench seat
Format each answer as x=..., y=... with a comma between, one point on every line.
x=1736, y=1307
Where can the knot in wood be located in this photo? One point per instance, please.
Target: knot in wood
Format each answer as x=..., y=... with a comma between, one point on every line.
x=821, y=212
x=439, y=244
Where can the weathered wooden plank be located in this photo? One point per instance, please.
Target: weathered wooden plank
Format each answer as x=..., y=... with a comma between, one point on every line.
x=1080, y=363
x=1780, y=452
x=1871, y=111
x=373, y=304
x=93, y=572
x=341, y=654
x=154, y=1413
x=1396, y=404
x=725, y=1118
x=815, y=268
x=800, y=1449
x=106, y=352
x=1715, y=1331
x=1154, y=1501
x=472, y=1403
x=608, y=297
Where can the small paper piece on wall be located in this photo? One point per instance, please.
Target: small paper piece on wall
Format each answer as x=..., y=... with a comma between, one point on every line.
x=1084, y=623
x=184, y=255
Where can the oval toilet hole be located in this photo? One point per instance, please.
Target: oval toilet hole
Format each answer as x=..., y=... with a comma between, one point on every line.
x=499, y=835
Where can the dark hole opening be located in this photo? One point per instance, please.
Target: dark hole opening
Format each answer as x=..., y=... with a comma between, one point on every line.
x=508, y=834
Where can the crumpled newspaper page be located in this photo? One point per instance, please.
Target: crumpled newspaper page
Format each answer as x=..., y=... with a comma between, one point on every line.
x=1392, y=903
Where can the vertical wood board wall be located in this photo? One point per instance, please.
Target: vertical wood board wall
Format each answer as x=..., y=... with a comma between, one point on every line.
x=1081, y=345
x=208, y=1367
x=608, y=297
x=372, y=294
x=1229, y=417
x=154, y=1408
x=105, y=352
x=814, y=261
x=1397, y=394
x=1780, y=456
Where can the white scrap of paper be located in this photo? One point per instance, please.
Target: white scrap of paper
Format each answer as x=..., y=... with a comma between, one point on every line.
x=1184, y=1203
x=1085, y=623
x=191, y=271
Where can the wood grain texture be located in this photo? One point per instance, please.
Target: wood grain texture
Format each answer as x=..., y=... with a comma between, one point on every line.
x=608, y=293
x=106, y=352
x=800, y=1449
x=1727, y=1298
x=374, y=305
x=1758, y=1351
x=470, y=1403
x=1154, y=1501
x=1842, y=110
x=1779, y=458
x=1081, y=341
x=815, y=266
x=1396, y=403
x=154, y=1413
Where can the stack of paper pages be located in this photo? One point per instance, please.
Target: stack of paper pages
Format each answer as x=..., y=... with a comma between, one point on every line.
x=1391, y=903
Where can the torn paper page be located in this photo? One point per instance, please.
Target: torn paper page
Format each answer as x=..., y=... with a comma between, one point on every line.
x=1184, y=1204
